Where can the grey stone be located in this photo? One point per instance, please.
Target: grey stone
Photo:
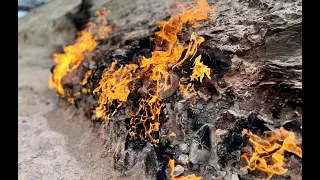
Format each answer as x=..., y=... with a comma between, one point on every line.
x=210, y=105
x=234, y=177
x=222, y=173
x=200, y=106
x=182, y=159
x=265, y=119
x=218, y=134
x=278, y=6
x=198, y=154
x=178, y=170
x=184, y=148
x=203, y=96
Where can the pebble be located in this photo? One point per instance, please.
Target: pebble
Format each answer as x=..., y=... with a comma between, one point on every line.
x=178, y=170
x=182, y=159
x=200, y=106
x=210, y=105
x=234, y=177
x=184, y=147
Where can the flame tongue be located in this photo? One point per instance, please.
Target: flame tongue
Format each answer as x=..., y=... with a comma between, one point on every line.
x=70, y=60
x=73, y=54
x=268, y=155
x=115, y=85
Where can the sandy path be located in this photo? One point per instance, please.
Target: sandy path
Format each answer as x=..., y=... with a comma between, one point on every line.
x=53, y=142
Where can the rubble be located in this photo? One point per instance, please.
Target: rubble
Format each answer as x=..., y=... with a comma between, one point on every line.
x=183, y=159
x=178, y=170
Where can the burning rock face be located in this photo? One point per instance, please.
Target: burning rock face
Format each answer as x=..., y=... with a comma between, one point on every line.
x=162, y=82
x=141, y=86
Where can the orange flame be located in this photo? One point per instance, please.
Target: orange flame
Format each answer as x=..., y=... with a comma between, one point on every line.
x=199, y=70
x=189, y=177
x=188, y=93
x=115, y=85
x=73, y=54
x=155, y=69
x=70, y=60
x=157, y=65
x=86, y=76
x=268, y=155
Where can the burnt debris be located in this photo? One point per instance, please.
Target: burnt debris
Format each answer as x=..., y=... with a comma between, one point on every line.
x=229, y=148
x=218, y=61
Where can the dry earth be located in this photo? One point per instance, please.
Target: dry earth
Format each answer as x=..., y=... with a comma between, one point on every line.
x=51, y=145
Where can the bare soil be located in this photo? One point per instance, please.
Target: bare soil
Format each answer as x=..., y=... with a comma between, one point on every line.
x=53, y=141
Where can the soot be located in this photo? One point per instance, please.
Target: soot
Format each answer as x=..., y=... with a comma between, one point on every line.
x=215, y=59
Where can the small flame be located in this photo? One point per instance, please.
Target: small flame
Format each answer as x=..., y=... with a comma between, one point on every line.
x=172, y=134
x=199, y=70
x=73, y=54
x=115, y=85
x=70, y=60
x=86, y=76
x=189, y=177
x=187, y=92
x=268, y=155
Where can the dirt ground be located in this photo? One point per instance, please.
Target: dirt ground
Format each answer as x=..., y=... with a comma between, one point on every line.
x=53, y=141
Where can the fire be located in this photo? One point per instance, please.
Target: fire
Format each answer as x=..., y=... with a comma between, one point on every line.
x=187, y=92
x=115, y=85
x=268, y=155
x=73, y=56
x=103, y=31
x=86, y=76
x=147, y=115
x=189, y=177
x=155, y=69
x=70, y=59
x=158, y=64
x=199, y=70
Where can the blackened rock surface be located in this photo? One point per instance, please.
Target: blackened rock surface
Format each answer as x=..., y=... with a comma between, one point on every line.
x=293, y=126
x=230, y=147
x=81, y=18
x=215, y=59
x=252, y=123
